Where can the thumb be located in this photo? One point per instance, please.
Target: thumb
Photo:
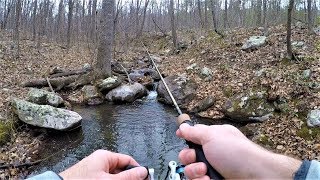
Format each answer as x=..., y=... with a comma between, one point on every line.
x=134, y=173
x=197, y=134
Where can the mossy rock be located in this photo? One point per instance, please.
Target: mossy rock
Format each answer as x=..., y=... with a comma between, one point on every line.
x=248, y=107
x=5, y=132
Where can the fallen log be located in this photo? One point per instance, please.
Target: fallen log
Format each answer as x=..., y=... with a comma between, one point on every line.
x=70, y=73
x=56, y=83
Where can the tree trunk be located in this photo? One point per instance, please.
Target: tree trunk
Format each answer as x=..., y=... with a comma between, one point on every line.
x=200, y=13
x=310, y=23
x=258, y=13
x=289, y=46
x=93, y=21
x=173, y=25
x=143, y=18
x=264, y=19
x=105, y=55
x=225, y=18
x=70, y=13
x=16, y=31
x=34, y=16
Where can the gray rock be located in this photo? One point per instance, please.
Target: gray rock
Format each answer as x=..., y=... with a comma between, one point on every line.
x=204, y=104
x=182, y=89
x=249, y=107
x=206, y=73
x=260, y=72
x=108, y=84
x=87, y=67
x=43, y=97
x=313, y=118
x=91, y=95
x=306, y=74
x=300, y=25
x=127, y=93
x=116, y=67
x=156, y=59
x=254, y=42
x=136, y=75
x=45, y=116
x=298, y=44
x=317, y=31
x=192, y=67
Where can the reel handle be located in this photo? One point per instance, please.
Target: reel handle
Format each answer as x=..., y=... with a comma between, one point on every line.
x=200, y=157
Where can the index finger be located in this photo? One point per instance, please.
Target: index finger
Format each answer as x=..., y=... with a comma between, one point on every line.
x=120, y=161
x=197, y=134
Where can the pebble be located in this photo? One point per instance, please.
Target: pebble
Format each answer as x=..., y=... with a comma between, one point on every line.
x=279, y=147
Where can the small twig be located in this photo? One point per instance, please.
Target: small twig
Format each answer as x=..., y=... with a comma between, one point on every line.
x=49, y=84
x=130, y=82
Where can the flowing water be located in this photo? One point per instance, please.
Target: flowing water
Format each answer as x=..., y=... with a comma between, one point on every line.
x=145, y=130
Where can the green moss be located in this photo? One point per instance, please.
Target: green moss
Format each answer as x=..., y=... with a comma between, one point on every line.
x=308, y=133
x=318, y=46
x=228, y=92
x=5, y=132
x=263, y=139
x=286, y=62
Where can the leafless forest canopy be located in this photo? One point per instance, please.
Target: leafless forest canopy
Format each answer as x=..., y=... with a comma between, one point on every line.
x=70, y=21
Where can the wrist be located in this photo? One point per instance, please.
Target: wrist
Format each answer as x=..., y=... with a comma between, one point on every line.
x=278, y=166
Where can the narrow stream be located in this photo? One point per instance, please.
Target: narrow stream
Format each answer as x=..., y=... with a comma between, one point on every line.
x=144, y=130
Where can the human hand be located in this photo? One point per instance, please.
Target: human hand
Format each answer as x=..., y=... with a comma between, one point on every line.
x=103, y=164
x=232, y=155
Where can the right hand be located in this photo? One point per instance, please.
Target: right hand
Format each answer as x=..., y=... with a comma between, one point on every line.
x=232, y=155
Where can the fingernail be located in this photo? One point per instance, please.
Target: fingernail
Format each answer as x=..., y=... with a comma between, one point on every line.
x=142, y=172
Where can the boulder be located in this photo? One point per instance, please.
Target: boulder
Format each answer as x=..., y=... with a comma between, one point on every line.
x=306, y=74
x=116, y=67
x=127, y=93
x=87, y=67
x=156, y=59
x=251, y=107
x=206, y=73
x=313, y=119
x=45, y=116
x=91, y=95
x=204, y=104
x=298, y=44
x=254, y=42
x=300, y=25
x=108, y=84
x=43, y=97
x=192, y=67
x=135, y=75
x=317, y=30
x=182, y=89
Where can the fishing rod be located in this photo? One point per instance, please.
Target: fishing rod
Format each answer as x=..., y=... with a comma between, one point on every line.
x=184, y=118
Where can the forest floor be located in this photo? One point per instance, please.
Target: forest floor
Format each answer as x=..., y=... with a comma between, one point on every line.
x=234, y=72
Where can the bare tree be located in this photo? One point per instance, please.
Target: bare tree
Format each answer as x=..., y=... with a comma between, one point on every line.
x=258, y=12
x=146, y=3
x=173, y=25
x=289, y=46
x=105, y=49
x=310, y=23
x=70, y=14
x=34, y=23
x=17, y=26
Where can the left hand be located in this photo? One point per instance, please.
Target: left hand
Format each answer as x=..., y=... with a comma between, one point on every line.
x=103, y=164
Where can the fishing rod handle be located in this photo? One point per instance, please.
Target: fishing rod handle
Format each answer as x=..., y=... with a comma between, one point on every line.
x=200, y=157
